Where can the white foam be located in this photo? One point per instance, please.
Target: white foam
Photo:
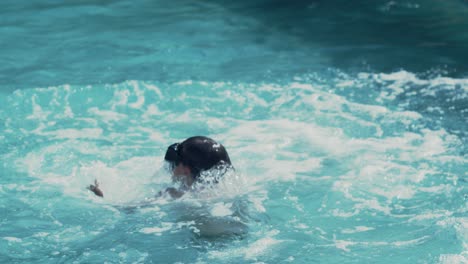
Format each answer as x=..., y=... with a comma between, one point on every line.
x=346, y=244
x=120, y=98
x=85, y=133
x=127, y=181
x=304, y=127
x=41, y=234
x=396, y=191
x=221, y=209
x=258, y=203
x=216, y=123
x=461, y=227
x=37, y=112
x=260, y=247
x=13, y=239
x=151, y=111
x=124, y=181
x=184, y=83
x=138, y=93
x=154, y=88
x=264, y=142
x=356, y=229
x=398, y=82
x=454, y=258
x=412, y=242
x=154, y=135
x=106, y=115
x=157, y=230
x=256, y=100
x=252, y=251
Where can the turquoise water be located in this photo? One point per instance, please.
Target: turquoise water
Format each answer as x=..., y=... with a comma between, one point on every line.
x=347, y=125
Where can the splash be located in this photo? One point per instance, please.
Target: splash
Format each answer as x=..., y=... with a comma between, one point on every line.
x=331, y=165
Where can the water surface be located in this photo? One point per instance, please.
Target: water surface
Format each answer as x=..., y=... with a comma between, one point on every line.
x=347, y=125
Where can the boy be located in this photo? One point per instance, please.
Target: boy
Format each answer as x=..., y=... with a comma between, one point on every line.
x=188, y=160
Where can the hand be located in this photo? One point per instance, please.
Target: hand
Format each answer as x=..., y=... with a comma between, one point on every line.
x=174, y=193
x=95, y=189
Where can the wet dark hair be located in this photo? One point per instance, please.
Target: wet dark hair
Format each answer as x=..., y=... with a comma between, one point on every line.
x=199, y=153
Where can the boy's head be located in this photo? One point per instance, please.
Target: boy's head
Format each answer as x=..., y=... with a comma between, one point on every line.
x=196, y=154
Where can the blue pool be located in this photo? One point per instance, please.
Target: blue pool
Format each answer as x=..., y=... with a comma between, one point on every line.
x=347, y=124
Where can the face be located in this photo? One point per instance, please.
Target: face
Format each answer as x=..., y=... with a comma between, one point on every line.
x=181, y=173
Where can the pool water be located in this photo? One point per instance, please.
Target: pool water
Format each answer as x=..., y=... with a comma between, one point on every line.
x=347, y=125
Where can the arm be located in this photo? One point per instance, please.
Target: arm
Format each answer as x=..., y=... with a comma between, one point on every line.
x=95, y=189
x=173, y=193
